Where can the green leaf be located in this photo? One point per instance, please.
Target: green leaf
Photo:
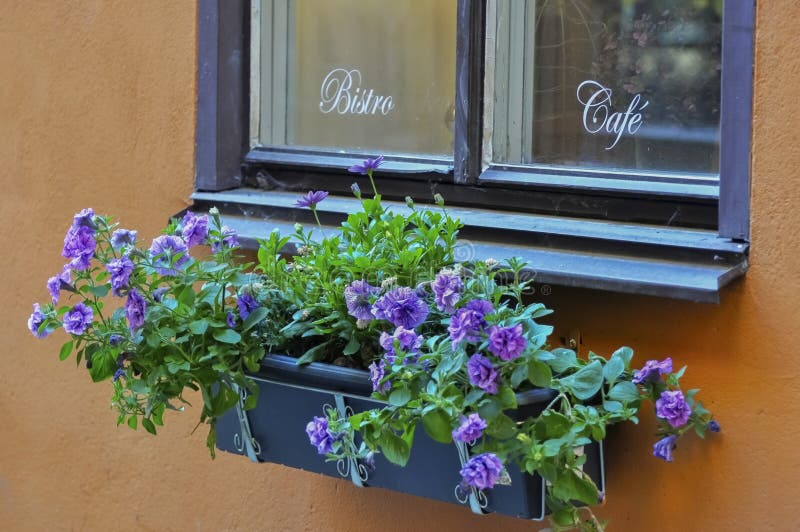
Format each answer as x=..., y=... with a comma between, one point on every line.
x=612, y=406
x=613, y=369
x=625, y=354
x=198, y=327
x=507, y=397
x=519, y=375
x=132, y=422
x=394, y=448
x=66, y=349
x=187, y=297
x=489, y=408
x=625, y=392
x=99, y=290
x=400, y=396
x=175, y=364
x=313, y=354
x=585, y=382
x=254, y=318
x=564, y=359
x=539, y=374
x=149, y=426
x=104, y=364
x=438, y=425
x=473, y=396
x=352, y=347
x=227, y=336
x=569, y=486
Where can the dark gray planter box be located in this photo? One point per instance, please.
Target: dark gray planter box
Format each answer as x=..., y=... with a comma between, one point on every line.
x=292, y=395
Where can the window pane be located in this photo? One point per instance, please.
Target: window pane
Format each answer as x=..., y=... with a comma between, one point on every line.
x=355, y=75
x=609, y=84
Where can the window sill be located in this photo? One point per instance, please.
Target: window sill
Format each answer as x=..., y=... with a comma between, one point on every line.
x=677, y=263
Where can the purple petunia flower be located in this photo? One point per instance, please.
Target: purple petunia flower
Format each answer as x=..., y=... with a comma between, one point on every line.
x=230, y=319
x=78, y=319
x=402, y=307
x=377, y=371
x=447, y=291
x=135, y=308
x=319, y=435
x=120, y=270
x=35, y=321
x=311, y=198
x=247, y=304
x=482, y=373
x=164, y=250
x=117, y=374
x=56, y=283
x=470, y=429
x=469, y=321
x=713, y=426
x=79, y=246
x=85, y=218
x=115, y=339
x=663, y=448
x=158, y=293
x=652, y=371
x=673, y=407
x=356, y=297
x=229, y=240
x=406, y=340
x=482, y=472
x=194, y=229
x=369, y=165
x=506, y=343
x=123, y=237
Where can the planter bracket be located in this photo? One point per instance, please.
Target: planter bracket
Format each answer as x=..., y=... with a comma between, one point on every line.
x=350, y=465
x=477, y=499
x=244, y=440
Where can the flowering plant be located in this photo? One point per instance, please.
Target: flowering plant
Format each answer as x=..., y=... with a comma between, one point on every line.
x=448, y=345
x=157, y=321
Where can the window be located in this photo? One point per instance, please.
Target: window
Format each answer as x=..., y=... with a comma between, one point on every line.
x=607, y=142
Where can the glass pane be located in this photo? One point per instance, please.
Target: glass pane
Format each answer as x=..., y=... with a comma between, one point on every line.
x=610, y=84
x=356, y=75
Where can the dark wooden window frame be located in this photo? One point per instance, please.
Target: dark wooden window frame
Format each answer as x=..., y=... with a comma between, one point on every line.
x=718, y=217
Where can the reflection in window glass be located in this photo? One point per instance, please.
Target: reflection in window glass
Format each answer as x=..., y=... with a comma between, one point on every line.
x=356, y=75
x=619, y=85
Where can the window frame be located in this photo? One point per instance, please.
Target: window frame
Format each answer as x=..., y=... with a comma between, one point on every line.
x=224, y=160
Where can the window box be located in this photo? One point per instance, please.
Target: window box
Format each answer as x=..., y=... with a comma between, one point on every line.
x=291, y=395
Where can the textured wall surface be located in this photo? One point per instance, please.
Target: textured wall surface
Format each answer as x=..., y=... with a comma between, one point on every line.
x=97, y=109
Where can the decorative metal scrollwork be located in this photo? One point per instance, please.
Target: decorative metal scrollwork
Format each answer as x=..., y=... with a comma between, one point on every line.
x=349, y=465
x=477, y=500
x=244, y=440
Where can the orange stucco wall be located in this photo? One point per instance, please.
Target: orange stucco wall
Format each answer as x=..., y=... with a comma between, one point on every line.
x=97, y=109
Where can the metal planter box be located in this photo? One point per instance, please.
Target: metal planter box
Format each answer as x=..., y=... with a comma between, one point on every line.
x=292, y=395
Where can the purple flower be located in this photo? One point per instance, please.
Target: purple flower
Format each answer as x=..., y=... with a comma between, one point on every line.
x=56, y=283
x=123, y=237
x=468, y=321
x=85, y=218
x=117, y=374
x=447, y=291
x=120, y=270
x=377, y=371
x=115, y=339
x=194, y=228
x=158, y=293
x=230, y=319
x=470, y=429
x=247, y=304
x=401, y=306
x=356, y=297
x=320, y=435
x=482, y=472
x=652, y=371
x=369, y=165
x=164, y=250
x=713, y=426
x=673, y=407
x=35, y=321
x=229, y=240
x=135, y=308
x=79, y=246
x=506, y=343
x=481, y=373
x=78, y=319
x=311, y=198
x=407, y=340
x=663, y=448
